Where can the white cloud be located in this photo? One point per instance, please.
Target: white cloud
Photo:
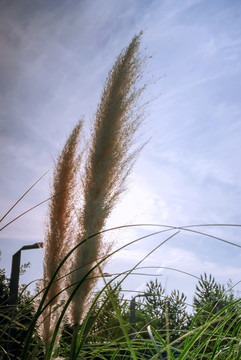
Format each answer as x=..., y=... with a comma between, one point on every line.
x=179, y=268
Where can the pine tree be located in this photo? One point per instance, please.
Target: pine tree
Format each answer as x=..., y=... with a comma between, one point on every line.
x=166, y=313
x=211, y=298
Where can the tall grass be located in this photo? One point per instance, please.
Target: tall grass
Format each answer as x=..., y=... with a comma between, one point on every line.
x=59, y=230
x=108, y=164
x=217, y=338
x=74, y=216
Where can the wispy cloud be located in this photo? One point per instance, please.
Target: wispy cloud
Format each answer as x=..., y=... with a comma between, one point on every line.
x=54, y=59
x=179, y=268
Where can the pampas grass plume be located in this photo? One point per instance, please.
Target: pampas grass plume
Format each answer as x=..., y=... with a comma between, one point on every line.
x=59, y=229
x=109, y=162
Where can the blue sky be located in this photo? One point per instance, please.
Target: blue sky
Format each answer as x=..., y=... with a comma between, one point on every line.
x=54, y=59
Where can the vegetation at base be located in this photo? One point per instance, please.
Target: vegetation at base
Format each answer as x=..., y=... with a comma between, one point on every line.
x=17, y=318
x=211, y=330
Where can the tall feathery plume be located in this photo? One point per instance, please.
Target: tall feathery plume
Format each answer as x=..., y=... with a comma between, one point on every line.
x=59, y=230
x=108, y=164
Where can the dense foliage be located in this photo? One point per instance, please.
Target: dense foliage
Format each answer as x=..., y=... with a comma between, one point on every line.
x=215, y=318
x=14, y=319
x=210, y=331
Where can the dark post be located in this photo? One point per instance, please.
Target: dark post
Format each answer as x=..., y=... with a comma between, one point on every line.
x=13, y=296
x=15, y=272
x=132, y=318
x=14, y=279
x=133, y=314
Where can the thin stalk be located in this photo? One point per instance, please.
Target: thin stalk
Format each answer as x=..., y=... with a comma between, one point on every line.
x=21, y=197
x=167, y=329
x=76, y=329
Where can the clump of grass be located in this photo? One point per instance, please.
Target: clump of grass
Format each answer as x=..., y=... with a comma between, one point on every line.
x=73, y=218
x=218, y=338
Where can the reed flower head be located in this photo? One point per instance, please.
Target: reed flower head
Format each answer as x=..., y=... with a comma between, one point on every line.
x=75, y=216
x=109, y=162
x=59, y=229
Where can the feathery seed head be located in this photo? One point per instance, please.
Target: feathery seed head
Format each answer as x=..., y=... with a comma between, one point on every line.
x=59, y=228
x=109, y=162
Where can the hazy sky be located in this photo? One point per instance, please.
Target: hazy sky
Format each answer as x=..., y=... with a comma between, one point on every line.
x=54, y=58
